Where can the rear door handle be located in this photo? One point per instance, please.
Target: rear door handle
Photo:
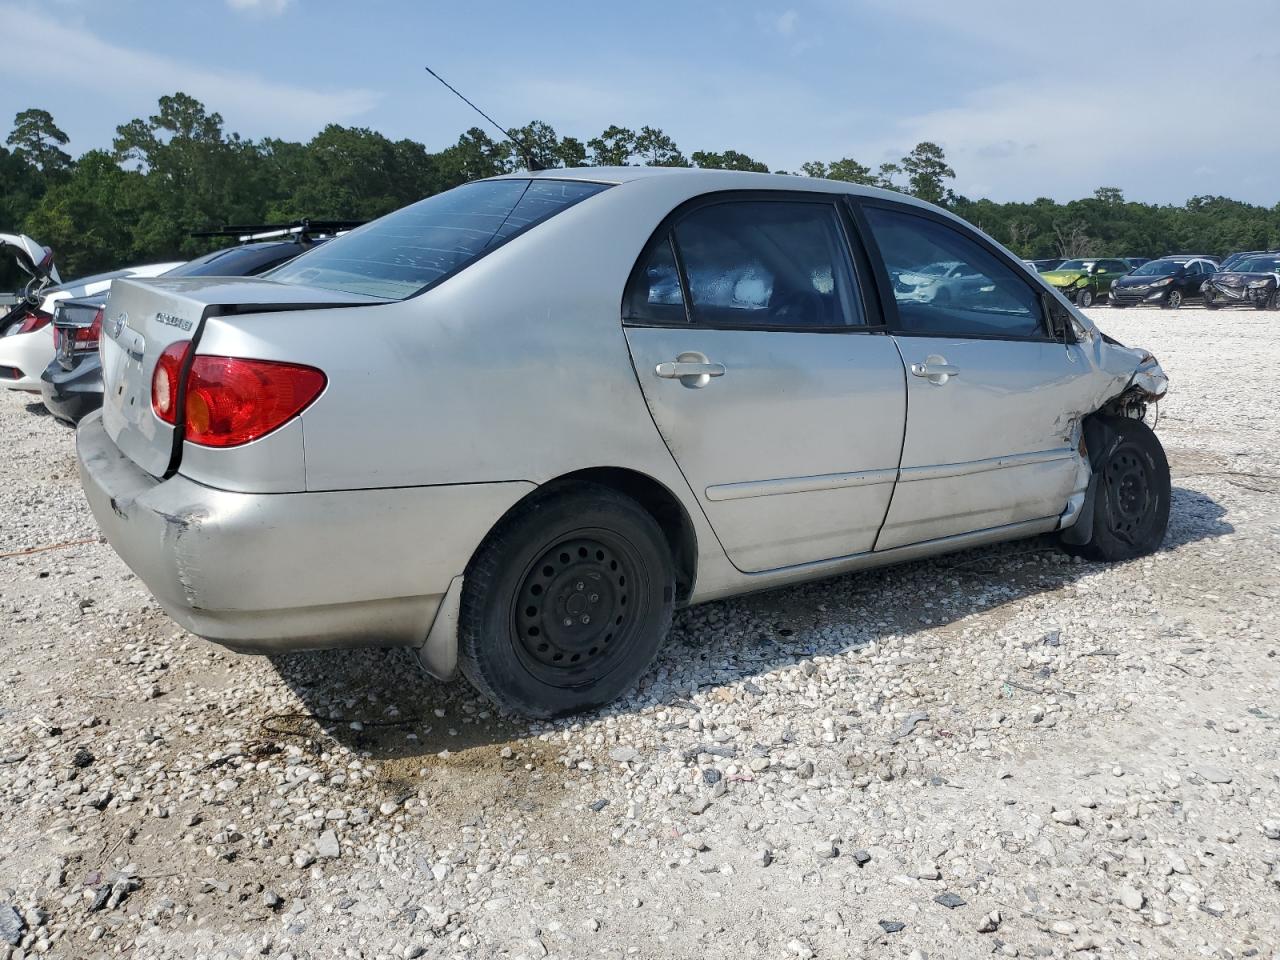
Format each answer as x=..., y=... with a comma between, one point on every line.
x=691, y=369
x=935, y=370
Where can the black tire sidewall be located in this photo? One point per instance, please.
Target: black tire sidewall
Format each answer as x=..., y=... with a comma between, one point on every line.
x=486, y=642
x=1080, y=299
x=1136, y=436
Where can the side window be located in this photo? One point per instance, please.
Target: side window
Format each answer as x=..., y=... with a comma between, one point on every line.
x=768, y=263
x=1117, y=266
x=653, y=292
x=947, y=284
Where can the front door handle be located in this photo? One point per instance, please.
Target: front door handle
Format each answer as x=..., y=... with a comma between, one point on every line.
x=691, y=369
x=935, y=369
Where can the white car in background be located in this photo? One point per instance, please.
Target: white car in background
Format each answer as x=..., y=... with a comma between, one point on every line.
x=26, y=346
x=941, y=283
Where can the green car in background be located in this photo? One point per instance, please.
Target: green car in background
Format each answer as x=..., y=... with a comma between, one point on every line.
x=1083, y=281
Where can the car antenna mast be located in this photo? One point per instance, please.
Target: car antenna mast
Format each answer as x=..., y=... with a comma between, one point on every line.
x=529, y=160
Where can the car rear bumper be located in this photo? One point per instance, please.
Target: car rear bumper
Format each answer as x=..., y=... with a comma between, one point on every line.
x=23, y=358
x=72, y=394
x=265, y=573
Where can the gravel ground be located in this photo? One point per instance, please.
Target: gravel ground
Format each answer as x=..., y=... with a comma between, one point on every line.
x=1002, y=751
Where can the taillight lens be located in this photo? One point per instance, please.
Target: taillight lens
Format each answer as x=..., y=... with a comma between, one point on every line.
x=165, y=380
x=230, y=401
x=86, y=338
x=36, y=320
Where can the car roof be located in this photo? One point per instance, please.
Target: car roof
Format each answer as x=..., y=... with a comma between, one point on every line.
x=700, y=179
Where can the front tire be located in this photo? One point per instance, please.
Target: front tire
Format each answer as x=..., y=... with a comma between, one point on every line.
x=1084, y=298
x=566, y=603
x=1173, y=301
x=1132, y=492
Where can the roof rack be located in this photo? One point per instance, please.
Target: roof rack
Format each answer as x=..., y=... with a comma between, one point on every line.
x=301, y=229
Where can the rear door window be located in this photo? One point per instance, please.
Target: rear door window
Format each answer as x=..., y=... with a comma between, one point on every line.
x=405, y=252
x=769, y=263
x=946, y=283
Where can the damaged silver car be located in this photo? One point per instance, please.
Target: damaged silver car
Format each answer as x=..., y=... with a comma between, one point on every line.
x=515, y=425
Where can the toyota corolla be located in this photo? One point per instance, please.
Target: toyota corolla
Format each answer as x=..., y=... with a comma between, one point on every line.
x=516, y=424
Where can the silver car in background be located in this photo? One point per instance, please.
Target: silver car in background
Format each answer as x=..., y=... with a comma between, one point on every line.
x=514, y=425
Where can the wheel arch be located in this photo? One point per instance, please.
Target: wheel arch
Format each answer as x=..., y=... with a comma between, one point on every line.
x=660, y=502
x=655, y=497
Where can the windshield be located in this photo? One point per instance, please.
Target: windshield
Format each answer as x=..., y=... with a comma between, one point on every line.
x=1076, y=265
x=1257, y=265
x=1157, y=268
x=404, y=252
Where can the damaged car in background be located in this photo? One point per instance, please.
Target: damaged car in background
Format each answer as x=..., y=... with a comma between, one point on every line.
x=1252, y=281
x=516, y=424
x=26, y=339
x=1084, y=281
x=71, y=384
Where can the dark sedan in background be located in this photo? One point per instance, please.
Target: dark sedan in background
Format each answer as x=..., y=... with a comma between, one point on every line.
x=1252, y=281
x=71, y=386
x=1167, y=282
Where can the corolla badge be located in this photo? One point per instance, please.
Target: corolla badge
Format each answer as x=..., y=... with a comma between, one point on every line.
x=169, y=320
x=117, y=324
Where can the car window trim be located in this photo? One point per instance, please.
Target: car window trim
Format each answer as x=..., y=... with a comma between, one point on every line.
x=893, y=322
x=868, y=298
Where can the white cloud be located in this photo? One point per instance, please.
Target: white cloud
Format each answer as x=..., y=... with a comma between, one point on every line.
x=269, y=8
x=139, y=78
x=786, y=23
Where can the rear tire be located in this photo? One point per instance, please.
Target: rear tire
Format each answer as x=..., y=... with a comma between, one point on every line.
x=566, y=603
x=1132, y=492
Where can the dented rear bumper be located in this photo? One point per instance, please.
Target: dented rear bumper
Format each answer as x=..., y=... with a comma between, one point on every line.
x=272, y=572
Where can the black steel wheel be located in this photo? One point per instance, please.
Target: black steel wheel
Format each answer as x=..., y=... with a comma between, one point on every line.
x=1131, y=492
x=1173, y=301
x=566, y=603
x=1084, y=298
x=570, y=612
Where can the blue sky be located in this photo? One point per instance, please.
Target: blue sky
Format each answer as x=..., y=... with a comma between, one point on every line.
x=1162, y=99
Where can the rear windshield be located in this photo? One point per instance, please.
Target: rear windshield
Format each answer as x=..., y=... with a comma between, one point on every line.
x=407, y=251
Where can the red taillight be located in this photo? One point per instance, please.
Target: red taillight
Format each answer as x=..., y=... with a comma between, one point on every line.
x=36, y=320
x=165, y=381
x=231, y=400
x=86, y=338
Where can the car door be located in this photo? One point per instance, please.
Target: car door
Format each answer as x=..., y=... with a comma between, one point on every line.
x=766, y=368
x=989, y=438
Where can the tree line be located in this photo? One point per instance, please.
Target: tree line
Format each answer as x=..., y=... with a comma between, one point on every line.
x=179, y=171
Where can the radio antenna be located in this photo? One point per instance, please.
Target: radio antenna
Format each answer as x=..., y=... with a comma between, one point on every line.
x=529, y=160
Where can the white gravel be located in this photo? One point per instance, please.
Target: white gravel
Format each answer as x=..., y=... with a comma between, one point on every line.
x=1001, y=751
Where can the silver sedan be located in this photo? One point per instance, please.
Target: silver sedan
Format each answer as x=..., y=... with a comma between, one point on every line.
x=513, y=426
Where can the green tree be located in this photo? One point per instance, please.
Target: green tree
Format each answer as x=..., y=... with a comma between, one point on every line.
x=613, y=148
x=38, y=140
x=728, y=160
x=656, y=149
x=927, y=171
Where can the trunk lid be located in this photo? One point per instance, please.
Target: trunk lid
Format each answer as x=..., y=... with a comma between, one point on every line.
x=143, y=317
